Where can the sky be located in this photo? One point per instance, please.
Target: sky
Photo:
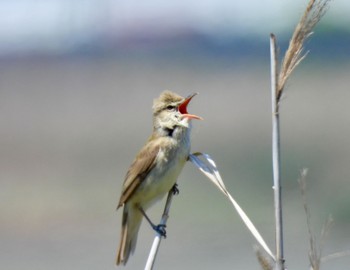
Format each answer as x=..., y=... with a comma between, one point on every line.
x=59, y=24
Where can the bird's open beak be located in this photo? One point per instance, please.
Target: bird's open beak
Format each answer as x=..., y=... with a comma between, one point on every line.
x=183, y=108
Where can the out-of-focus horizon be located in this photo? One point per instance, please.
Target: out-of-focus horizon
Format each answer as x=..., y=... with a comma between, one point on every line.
x=77, y=82
x=60, y=27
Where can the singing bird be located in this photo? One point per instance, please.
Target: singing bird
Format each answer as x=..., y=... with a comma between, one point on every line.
x=155, y=170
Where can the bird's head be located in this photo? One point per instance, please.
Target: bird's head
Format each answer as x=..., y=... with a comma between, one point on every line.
x=170, y=111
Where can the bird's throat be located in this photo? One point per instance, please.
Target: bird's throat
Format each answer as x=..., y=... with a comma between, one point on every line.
x=169, y=131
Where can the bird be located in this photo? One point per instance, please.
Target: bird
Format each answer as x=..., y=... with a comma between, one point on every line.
x=155, y=170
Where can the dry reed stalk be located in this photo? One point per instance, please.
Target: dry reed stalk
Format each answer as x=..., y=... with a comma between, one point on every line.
x=276, y=160
x=315, y=251
x=157, y=239
x=293, y=56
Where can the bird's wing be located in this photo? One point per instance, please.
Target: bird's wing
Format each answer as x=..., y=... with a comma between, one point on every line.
x=138, y=171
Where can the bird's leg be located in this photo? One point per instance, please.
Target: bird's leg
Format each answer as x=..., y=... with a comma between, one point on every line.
x=160, y=228
x=175, y=190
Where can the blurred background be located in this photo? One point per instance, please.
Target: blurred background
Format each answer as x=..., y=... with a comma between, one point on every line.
x=77, y=81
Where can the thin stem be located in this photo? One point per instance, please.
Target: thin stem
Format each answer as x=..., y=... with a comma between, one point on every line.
x=276, y=163
x=156, y=242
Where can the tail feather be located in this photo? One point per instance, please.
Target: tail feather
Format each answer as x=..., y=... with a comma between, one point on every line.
x=131, y=222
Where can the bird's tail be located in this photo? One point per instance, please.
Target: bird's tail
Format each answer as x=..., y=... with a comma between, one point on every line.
x=131, y=222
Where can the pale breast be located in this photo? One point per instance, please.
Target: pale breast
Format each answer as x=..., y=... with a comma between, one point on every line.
x=169, y=164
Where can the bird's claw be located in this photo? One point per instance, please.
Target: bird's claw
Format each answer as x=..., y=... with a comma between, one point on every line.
x=160, y=228
x=175, y=190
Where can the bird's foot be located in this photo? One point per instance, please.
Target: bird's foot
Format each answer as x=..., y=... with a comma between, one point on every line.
x=175, y=190
x=160, y=228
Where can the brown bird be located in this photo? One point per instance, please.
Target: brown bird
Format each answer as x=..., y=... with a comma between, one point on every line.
x=155, y=170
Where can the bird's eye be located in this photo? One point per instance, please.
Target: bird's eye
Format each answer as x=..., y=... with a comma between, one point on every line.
x=170, y=108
